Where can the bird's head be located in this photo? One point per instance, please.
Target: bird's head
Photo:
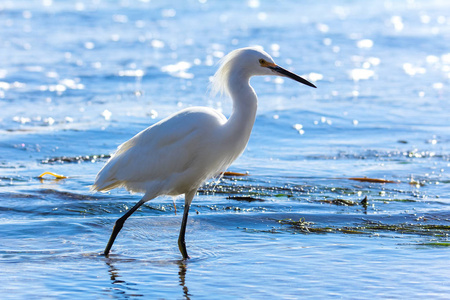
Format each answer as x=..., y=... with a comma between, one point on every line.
x=247, y=62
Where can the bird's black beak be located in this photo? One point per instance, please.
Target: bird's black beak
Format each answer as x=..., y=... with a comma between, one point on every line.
x=283, y=72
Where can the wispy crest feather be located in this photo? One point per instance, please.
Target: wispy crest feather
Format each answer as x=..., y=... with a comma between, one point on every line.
x=219, y=84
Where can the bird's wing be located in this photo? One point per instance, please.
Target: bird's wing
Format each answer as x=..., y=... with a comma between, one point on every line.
x=159, y=152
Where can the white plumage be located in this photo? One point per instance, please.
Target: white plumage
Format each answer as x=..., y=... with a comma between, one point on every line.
x=167, y=158
x=176, y=155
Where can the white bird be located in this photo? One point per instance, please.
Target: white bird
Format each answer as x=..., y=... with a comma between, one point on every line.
x=178, y=154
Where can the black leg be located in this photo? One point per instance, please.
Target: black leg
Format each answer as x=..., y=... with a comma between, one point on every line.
x=119, y=224
x=181, y=242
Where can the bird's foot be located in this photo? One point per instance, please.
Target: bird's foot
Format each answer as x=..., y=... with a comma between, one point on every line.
x=185, y=258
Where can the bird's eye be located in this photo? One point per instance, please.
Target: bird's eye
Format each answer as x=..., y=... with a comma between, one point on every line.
x=262, y=61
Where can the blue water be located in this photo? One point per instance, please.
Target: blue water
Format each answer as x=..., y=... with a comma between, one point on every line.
x=79, y=78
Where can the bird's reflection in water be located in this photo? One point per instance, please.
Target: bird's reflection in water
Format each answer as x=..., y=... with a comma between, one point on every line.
x=182, y=274
x=120, y=286
x=113, y=272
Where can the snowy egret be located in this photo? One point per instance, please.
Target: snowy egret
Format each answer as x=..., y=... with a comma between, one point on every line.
x=176, y=155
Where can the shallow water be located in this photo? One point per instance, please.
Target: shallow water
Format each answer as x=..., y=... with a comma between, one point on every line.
x=77, y=79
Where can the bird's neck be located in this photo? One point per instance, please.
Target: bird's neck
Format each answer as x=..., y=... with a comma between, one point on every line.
x=243, y=116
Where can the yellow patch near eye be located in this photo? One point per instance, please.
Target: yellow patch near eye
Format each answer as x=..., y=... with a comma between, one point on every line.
x=266, y=64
